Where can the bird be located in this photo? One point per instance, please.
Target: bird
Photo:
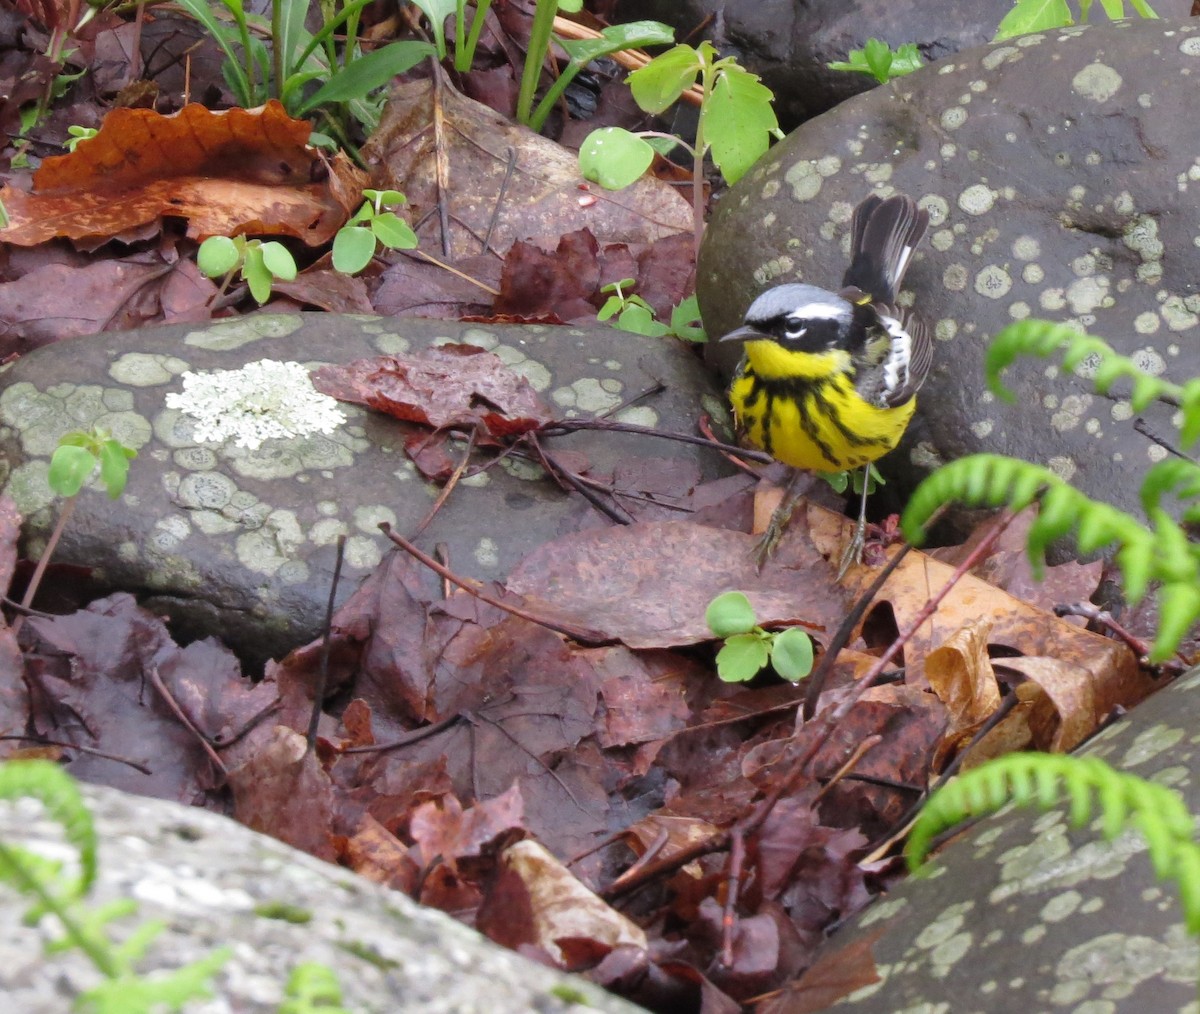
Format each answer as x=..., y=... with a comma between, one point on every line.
x=828, y=380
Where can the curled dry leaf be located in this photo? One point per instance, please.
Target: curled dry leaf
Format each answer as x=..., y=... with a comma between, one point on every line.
x=559, y=907
x=227, y=173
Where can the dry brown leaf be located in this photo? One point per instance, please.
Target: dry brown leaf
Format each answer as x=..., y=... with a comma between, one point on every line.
x=562, y=908
x=228, y=173
x=960, y=673
x=545, y=196
x=1067, y=690
x=1015, y=625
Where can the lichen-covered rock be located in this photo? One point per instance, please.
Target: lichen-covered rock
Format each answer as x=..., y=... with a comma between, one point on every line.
x=214, y=883
x=1025, y=913
x=1061, y=174
x=240, y=543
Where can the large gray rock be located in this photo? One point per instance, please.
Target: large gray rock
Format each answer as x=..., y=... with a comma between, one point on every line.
x=1060, y=171
x=241, y=544
x=214, y=883
x=1025, y=913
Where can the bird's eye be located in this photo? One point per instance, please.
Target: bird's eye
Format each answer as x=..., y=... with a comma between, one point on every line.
x=794, y=327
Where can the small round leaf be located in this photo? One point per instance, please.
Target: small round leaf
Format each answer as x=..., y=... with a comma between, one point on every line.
x=792, y=654
x=218, y=255
x=353, y=248
x=730, y=613
x=614, y=157
x=279, y=261
x=70, y=468
x=741, y=658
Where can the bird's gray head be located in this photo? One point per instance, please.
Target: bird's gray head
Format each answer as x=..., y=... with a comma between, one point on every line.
x=804, y=302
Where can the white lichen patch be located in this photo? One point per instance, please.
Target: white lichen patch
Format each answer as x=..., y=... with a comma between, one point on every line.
x=364, y=552
x=953, y=117
x=1149, y=360
x=804, y=180
x=1026, y=248
x=368, y=517
x=589, y=395
x=977, y=199
x=993, y=282
x=141, y=369
x=1177, y=315
x=1033, y=274
x=1051, y=299
x=1062, y=466
x=1190, y=47
x=205, y=491
x=1000, y=56
x=1061, y=906
x=268, y=548
x=392, y=344
x=1147, y=322
x=1097, y=82
x=1071, y=412
x=955, y=277
x=638, y=415
x=777, y=267
x=942, y=240
x=945, y=329
x=937, y=207
x=1087, y=294
x=487, y=553
x=1151, y=743
x=224, y=336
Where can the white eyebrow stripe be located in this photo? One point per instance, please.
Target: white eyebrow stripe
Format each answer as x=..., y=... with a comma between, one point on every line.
x=819, y=310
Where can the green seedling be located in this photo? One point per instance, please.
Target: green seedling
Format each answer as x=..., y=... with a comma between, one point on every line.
x=635, y=315
x=78, y=455
x=356, y=242
x=1040, y=15
x=260, y=263
x=72, y=464
x=878, y=60
x=735, y=127
x=749, y=649
x=77, y=134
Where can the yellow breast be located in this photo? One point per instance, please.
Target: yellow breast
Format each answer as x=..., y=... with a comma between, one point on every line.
x=802, y=409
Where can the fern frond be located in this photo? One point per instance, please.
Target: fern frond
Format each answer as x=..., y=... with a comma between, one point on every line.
x=1177, y=477
x=1040, y=779
x=1044, y=338
x=1162, y=554
x=58, y=793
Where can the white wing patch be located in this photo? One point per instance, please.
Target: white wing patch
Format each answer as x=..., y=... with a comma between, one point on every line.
x=895, y=367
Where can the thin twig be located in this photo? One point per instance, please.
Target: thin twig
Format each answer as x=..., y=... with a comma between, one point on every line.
x=323, y=668
x=508, y=171
x=1141, y=649
x=562, y=426
x=407, y=739
x=43, y=741
x=161, y=687
x=449, y=485
x=582, y=635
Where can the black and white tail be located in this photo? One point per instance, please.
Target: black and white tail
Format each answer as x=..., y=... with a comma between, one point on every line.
x=884, y=234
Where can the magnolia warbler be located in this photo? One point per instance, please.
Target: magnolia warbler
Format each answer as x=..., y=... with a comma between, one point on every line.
x=828, y=380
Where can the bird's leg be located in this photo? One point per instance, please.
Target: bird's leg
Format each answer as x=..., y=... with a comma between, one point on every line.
x=780, y=518
x=853, y=551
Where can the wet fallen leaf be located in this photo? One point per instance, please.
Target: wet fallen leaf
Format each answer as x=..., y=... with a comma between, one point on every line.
x=458, y=386
x=227, y=173
x=559, y=906
x=541, y=198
